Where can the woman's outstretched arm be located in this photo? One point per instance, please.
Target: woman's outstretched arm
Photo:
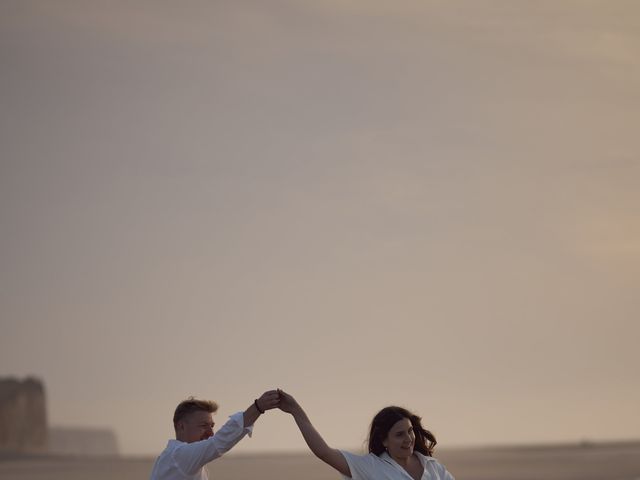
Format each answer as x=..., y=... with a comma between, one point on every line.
x=315, y=442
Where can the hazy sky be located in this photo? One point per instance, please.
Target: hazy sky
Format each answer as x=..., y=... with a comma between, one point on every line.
x=428, y=203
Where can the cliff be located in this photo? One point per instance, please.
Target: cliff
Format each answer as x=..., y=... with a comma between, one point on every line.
x=23, y=416
x=23, y=425
x=82, y=441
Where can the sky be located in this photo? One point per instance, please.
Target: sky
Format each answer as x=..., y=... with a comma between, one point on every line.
x=425, y=203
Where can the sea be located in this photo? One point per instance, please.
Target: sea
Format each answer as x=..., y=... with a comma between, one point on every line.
x=584, y=461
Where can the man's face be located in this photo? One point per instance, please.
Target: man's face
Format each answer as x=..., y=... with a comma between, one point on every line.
x=195, y=427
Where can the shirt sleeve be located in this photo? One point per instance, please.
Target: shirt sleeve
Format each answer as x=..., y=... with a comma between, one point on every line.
x=445, y=473
x=190, y=457
x=442, y=472
x=361, y=466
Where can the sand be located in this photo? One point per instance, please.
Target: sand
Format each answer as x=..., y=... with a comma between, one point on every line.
x=619, y=461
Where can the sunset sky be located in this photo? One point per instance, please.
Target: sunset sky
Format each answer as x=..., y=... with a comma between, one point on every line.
x=427, y=203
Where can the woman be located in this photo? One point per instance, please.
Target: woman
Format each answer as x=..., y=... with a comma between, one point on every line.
x=399, y=447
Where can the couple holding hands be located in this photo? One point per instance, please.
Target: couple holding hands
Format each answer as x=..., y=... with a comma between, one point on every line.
x=399, y=446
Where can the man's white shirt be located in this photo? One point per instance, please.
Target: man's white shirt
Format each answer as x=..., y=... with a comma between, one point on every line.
x=185, y=461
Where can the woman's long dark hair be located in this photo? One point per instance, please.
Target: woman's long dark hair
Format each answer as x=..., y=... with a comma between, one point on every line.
x=387, y=418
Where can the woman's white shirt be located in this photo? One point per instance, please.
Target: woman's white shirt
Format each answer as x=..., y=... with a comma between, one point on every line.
x=383, y=467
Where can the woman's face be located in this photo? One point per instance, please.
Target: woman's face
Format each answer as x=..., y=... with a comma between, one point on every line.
x=400, y=439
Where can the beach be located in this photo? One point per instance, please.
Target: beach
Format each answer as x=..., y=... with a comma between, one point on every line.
x=611, y=461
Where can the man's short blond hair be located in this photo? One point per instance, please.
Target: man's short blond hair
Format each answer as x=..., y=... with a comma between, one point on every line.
x=190, y=405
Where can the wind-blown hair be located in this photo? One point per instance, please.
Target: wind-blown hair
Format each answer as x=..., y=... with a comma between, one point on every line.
x=387, y=418
x=191, y=405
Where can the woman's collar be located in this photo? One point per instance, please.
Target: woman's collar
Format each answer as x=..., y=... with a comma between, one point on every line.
x=423, y=458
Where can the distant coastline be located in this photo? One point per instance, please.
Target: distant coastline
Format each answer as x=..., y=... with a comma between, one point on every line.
x=617, y=460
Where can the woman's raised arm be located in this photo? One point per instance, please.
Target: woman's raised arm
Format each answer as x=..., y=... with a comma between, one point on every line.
x=315, y=442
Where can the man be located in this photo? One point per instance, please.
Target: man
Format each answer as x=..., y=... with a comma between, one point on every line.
x=196, y=445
